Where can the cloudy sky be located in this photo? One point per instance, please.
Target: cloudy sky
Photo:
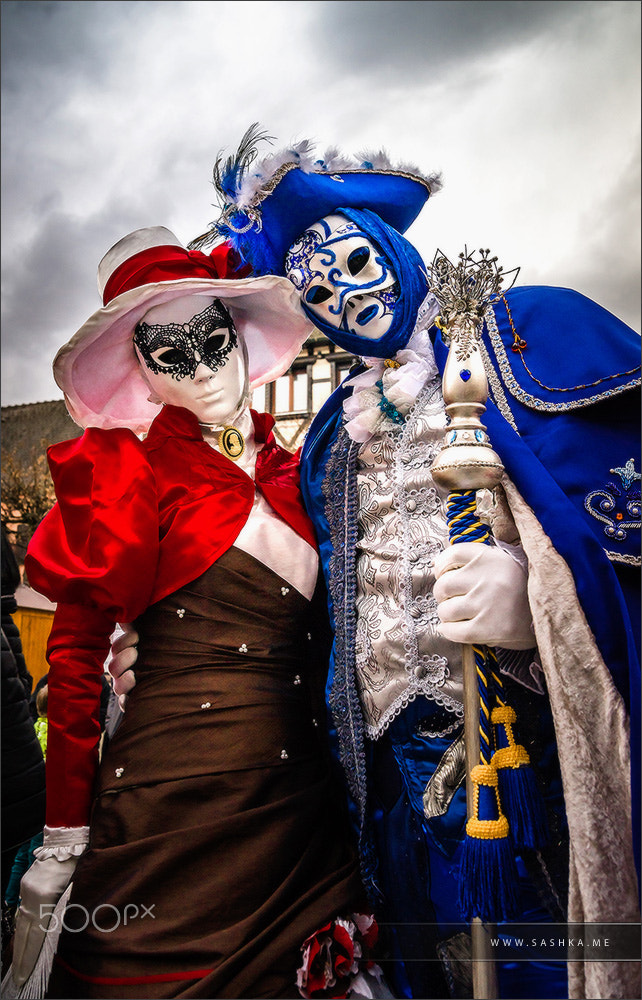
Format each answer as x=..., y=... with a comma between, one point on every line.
x=113, y=113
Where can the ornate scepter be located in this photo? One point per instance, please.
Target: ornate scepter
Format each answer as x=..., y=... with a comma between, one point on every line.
x=495, y=763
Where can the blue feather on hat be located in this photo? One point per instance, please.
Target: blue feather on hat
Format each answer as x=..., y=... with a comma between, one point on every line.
x=266, y=205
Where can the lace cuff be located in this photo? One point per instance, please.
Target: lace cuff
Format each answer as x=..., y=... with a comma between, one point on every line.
x=516, y=552
x=63, y=842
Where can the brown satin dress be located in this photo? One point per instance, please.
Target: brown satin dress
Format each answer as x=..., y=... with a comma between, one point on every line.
x=217, y=807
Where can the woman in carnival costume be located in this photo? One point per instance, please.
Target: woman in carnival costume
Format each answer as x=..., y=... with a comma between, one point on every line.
x=208, y=855
x=557, y=594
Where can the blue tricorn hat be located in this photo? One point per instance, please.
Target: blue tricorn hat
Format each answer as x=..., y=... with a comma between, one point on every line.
x=266, y=205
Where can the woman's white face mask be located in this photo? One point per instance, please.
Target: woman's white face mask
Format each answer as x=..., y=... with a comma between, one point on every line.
x=190, y=356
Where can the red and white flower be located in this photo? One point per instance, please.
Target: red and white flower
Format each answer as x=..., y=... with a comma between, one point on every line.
x=335, y=954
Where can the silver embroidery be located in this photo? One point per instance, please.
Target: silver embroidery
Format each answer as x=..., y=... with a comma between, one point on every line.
x=402, y=526
x=496, y=389
x=623, y=558
x=525, y=397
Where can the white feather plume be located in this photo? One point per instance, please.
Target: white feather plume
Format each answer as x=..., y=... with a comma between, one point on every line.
x=302, y=155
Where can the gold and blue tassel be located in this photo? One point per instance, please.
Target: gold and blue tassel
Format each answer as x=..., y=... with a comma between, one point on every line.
x=517, y=783
x=488, y=873
x=504, y=778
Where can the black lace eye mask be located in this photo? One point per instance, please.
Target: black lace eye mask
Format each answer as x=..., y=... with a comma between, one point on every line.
x=178, y=349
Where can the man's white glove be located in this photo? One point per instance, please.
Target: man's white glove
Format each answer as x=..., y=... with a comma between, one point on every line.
x=40, y=890
x=123, y=657
x=481, y=594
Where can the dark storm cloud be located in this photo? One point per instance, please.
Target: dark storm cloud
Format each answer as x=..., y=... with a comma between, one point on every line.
x=58, y=156
x=48, y=49
x=64, y=36
x=49, y=290
x=608, y=264
x=424, y=37
x=46, y=284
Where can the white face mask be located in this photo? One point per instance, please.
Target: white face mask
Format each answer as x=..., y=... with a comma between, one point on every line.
x=343, y=278
x=190, y=356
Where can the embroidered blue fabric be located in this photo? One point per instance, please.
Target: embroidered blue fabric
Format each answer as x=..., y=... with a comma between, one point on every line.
x=561, y=455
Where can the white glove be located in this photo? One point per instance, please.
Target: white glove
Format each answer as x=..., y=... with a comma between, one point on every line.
x=481, y=594
x=123, y=657
x=40, y=890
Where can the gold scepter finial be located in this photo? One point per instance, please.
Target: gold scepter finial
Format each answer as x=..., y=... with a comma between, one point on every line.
x=465, y=291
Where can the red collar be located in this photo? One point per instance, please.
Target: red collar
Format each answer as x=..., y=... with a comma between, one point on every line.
x=203, y=508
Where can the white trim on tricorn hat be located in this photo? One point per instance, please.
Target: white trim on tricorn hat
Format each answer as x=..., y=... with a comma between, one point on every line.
x=98, y=370
x=268, y=203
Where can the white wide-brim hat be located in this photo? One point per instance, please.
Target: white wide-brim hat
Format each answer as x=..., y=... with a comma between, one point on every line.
x=98, y=370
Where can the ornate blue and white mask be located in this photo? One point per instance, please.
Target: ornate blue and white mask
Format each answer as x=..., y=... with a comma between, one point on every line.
x=344, y=279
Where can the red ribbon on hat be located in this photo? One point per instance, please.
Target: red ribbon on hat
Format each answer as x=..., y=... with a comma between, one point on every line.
x=172, y=263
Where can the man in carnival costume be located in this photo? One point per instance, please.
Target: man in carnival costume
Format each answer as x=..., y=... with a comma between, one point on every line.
x=557, y=594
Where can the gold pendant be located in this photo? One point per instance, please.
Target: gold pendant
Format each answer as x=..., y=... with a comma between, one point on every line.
x=231, y=442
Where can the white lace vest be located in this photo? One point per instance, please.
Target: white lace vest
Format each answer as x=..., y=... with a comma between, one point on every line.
x=402, y=526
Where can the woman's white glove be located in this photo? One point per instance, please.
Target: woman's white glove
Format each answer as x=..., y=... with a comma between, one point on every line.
x=481, y=594
x=41, y=889
x=123, y=657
